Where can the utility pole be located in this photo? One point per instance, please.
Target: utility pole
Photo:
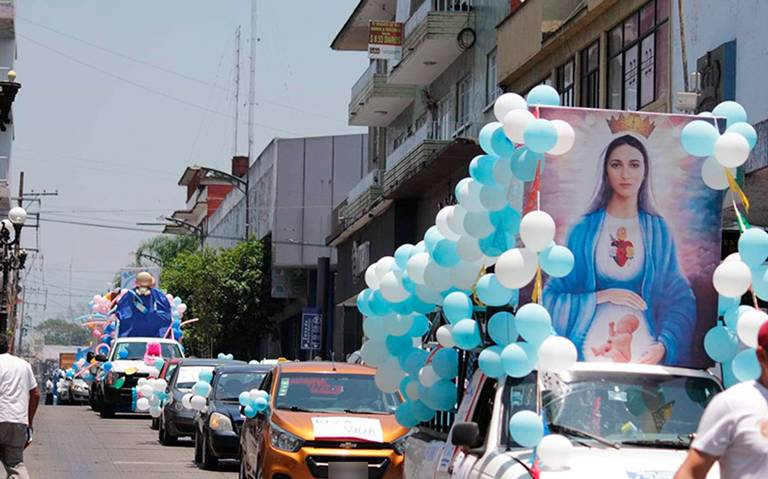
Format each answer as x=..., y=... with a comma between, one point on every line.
x=237, y=89
x=251, y=113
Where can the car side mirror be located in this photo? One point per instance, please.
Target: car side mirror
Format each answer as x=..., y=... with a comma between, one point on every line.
x=466, y=434
x=100, y=358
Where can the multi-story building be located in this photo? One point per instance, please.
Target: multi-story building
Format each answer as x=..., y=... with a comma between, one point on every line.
x=7, y=95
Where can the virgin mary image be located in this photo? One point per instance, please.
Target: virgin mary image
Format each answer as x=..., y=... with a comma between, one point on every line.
x=626, y=299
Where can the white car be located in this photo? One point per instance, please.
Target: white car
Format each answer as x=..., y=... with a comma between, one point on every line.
x=79, y=390
x=624, y=421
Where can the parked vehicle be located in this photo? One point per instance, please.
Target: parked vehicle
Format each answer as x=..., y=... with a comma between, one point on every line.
x=79, y=391
x=217, y=429
x=633, y=420
x=323, y=419
x=127, y=359
x=175, y=419
x=165, y=373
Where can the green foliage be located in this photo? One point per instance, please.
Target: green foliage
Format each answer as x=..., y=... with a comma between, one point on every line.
x=163, y=249
x=61, y=331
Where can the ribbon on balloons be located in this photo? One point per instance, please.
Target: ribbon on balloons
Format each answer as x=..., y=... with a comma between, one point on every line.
x=536, y=295
x=735, y=187
x=743, y=223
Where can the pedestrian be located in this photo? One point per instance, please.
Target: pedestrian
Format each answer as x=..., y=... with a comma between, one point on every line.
x=734, y=429
x=19, y=397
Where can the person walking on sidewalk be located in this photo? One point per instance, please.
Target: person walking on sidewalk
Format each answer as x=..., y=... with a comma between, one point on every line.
x=19, y=397
x=734, y=428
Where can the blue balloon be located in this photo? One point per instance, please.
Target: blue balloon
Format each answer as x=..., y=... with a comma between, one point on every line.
x=107, y=367
x=699, y=137
x=260, y=404
x=493, y=140
x=466, y=334
x=543, y=95
x=414, y=360
x=422, y=411
x=760, y=282
x=457, y=306
x=201, y=388
x=524, y=165
x=501, y=328
x=508, y=218
x=159, y=363
x=378, y=305
x=363, y=302
x=490, y=362
x=398, y=345
x=244, y=398
x=206, y=376
x=442, y=395
x=533, y=323
x=753, y=247
x=403, y=307
x=445, y=362
x=405, y=415
x=431, y=237
x=746, y=130
x=732, y=316
x=526, y=428
x=724, y=304
x=540, y=135
x=491, y=292
x=721, y=344
x=419, y=327
x=732, y=111
x=556, y=261
x=249, y=411
x=446, y=253
x=745, y=365
x=122, y=354
x=402, y=254
x=420, y=306
x=481, y=169
x=404, y=384
x=408, y=284
x=176, y=301
x=515, y=361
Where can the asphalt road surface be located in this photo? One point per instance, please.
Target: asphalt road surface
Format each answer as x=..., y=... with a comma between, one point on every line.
x=72, y=442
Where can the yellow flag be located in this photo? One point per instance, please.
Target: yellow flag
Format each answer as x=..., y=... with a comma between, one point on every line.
x=735, y=187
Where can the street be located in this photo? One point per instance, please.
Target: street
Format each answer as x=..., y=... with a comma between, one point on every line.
x=73, y=442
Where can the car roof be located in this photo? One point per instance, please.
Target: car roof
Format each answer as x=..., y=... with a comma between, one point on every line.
x=243, y=368
x=633, y=368
x=324, y=367
x=208, y=362
x=146, y=340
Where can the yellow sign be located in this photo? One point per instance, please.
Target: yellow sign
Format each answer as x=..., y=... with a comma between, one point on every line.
x=385, y=40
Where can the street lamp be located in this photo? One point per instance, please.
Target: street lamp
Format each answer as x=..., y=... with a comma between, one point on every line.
x=11, y=258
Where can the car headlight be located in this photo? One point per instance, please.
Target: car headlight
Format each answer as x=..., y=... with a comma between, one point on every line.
x=220, y=422
x=282, y=439
x=399, y=443
x=178, y=406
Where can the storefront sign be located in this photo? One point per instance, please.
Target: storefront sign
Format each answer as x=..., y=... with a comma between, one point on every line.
x=385, y=40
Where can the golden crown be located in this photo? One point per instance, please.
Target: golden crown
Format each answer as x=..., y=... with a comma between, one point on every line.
x=631, y=123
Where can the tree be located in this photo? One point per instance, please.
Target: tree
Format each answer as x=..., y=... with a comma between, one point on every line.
x=61, y=331
x=163, y=249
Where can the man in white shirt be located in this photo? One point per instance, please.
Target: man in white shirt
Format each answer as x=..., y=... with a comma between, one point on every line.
x=19, y=397
x=734, y=429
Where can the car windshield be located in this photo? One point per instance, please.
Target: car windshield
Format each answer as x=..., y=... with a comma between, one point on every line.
x=350, y=393
x=633, y=409
x=135, y=351
x=230, y=385
x=188, y=376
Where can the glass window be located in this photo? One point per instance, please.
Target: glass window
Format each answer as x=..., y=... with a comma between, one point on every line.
x=484, y=408
x=188, y=376
x=614, y=82
x=462, y=101
x=564, y=83
x=615, y=41
x=590, y=79
x=230, y=385
x=443, y=127
x=492, y=90
x=646, y=18
x=134, y=351
x=630, y=78
x=647, y=69
x=630, y=29
x=169, y=372
x=350, y=393
x=519, y=395
x=661, y=69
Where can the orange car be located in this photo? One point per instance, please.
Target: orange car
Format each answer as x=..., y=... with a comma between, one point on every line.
x=324, y=419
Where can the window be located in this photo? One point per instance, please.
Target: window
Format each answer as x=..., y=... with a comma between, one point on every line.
x=462, y=101
x=442, y=125
x=590, y=76
x=637, y=57
x=492, y=90
x=564, y=82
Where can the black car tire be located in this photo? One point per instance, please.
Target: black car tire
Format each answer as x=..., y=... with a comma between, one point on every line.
x=155, y=424
x=165, y=438
x=198, y=452
x=106, y=411
x=209, y=461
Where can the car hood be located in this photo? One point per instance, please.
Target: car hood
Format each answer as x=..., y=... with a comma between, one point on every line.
x=598, y=463
x=300, y=423
x=121, y=365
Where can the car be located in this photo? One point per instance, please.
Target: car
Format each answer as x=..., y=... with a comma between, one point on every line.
x=175, y=420
x=63, y=388
x=79, y=391
x=323, y=419
x=217, y=428
x=165, y=373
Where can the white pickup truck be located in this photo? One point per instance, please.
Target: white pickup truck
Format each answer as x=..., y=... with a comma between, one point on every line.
x=625, y=421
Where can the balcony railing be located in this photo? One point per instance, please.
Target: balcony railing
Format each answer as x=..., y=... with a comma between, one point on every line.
x=434, y=6
x=366, y=78
x=371, y=180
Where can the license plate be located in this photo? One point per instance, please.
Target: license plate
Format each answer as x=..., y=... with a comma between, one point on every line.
x=347, y=470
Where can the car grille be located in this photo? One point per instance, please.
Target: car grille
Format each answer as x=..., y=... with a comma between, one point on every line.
x=132, y=380
x=318, y=465
x=346, y=445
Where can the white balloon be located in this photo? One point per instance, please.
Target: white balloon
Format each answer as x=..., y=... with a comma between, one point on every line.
x=502, y=172
x=464, y=274
x=198, y=403
x=748, y=326
x=427, y=295
x=565, y=138
x=515, y=122
x=444, y=336
x=384, y=266
x=397, y=324
x=392, y=288
x=154, y=401
x=556, y=354
x=389, y=375
x=146, y=390
x=516, y=268
x=441, y=221
x=713, y=174
x=416, y=266
x=477, y=224
x=469, y=196
x=493, y=197
x=508, y=102
x=160, y=385
x=155, y=411
x=731, y=150
x=537, y=230
x=370, y=277
x=456, y=219
x=185, y=401
x=732, y=278
x=142, y=404
x=732, y=257
x=374, y=352
x=469, y=248
x=412, y=390
x=436, y=277
x=428, y=376
x=555, y=452
x=142, y=381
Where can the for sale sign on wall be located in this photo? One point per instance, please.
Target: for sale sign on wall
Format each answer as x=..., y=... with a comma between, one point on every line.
x=385, y=40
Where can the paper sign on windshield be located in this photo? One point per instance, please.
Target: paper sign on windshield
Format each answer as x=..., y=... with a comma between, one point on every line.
x=348, y=428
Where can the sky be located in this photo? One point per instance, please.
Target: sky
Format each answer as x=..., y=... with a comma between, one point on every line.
x=119, y=97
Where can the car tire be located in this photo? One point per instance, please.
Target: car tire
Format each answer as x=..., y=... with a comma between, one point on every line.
x=155, y=424
x=165, y=438
x=198, y=452
x=106, y=411
x=209, y=461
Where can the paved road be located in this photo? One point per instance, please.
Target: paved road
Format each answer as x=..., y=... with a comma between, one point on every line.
x=72, y=442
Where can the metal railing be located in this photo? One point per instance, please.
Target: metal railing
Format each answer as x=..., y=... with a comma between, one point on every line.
x=373, y=178
x=375, y=67
x=435, y=6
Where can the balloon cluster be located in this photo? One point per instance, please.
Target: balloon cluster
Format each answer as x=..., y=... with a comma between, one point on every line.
x=448, y=268
x=79, y=368
x=150, y=395
x=198, y=398
x=178, y=308
x=253, y=402
x=225, y=357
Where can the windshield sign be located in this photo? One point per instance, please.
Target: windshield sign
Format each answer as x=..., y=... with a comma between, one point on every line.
x=350, y=393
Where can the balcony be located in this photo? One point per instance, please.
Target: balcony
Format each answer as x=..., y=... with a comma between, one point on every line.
x=375, y=102
x=431, y=41
x=7, y=15
x=363, y=202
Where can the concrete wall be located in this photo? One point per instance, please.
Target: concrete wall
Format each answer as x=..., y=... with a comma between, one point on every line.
x=7, y=59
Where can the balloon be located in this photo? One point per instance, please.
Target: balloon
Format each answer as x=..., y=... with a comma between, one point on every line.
x=753, y=247
x=397, y=325
x=477, y=224
x=443, y=227
x=524, y=164
x=185, y=401
x=516, y=268
x=566, y=137
x=540, y=136
x=537, y=230
x=201, y=389
x=725, y=304
x=713, y=174
x=515, y=360
x=155, y=411
x=698, y=138
x=515, y=122
x=455, y=219
x=749, y=325
x=416, y=266
x=374, y=352
x=428, y=376
x=493, y=197
x=457, y=306
x=556, y=354
x=555, y=452
x=373, y=326
x=249, y=411
x=732, y=278
x=445, y=363
x=731, y=150
x=732, y=111
x=422, y=411
x=526, y=428
x=436, y=277
x=468, y=248
x=402, y=254
x=389, y=375
x=746, y=130
x=489, y=362
x=464, y=274
x=533, y=323
x=445, y=253
x=244, y=398
x=419, y=326
x=392, y=289
x=502, y=170
x=468, y=195
x=198, y=403
x=501, y=328
x=721, y=344
x=420, y=306
x=556, y=261
x=145, y=390
x=142, y=404
x=370, y=277
x=428, y=295
x=746, y=366
x=398, y=345
x=205, y=376
x=412, y=390
x=543, y=95
x=466, y=334
x=414, y=361
x=491, y=292
x=481, y=169
x=405, y=416
x=443, y=395
x=445, y=337
x=383, y=266
x=508, y=102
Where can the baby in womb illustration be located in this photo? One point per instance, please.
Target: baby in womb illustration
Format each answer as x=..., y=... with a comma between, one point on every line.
x=618, y=347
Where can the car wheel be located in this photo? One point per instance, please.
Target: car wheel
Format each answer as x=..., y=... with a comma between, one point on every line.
x=155, y=425
x=209, y=461
x=166, y=439
x=198, y=452
x=106, y=411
